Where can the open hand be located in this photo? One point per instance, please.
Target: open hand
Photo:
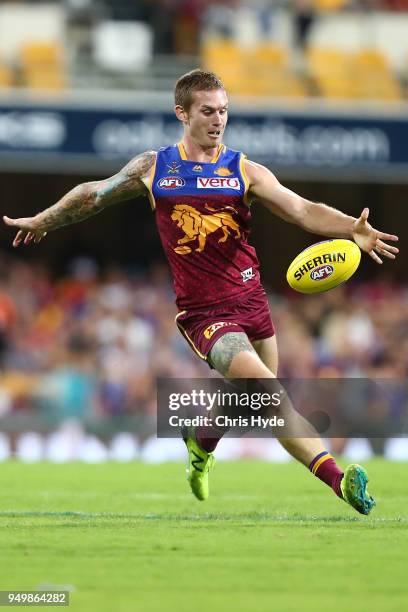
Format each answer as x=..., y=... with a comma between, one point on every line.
x=371, y=240
x=28, y=230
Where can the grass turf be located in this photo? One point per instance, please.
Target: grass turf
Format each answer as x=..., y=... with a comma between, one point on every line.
x=271, y=537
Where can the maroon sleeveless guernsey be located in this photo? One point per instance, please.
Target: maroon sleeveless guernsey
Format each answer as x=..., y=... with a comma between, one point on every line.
x=203, y=220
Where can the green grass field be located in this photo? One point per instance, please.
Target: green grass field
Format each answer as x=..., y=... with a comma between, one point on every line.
x=271, y=537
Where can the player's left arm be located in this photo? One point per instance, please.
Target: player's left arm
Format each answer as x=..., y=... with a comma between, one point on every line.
x=316, y=218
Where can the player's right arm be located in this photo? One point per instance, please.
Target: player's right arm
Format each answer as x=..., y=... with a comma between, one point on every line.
x=86, y=200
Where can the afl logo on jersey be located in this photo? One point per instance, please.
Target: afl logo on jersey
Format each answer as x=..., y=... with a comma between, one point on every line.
x=218, y=183
x=171, y=182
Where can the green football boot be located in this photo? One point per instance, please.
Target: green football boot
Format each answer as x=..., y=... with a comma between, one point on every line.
x=199, y=464
x=354, y=489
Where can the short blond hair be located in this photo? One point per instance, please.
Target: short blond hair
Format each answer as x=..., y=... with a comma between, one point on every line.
x=196, y=80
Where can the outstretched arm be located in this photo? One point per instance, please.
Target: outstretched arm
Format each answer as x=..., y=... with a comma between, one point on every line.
x=315, y=217
x=85, y=200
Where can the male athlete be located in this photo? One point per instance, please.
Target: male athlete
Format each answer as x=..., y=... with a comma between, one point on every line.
x=201, y=192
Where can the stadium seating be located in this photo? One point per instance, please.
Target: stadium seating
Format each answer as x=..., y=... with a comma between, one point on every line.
x=349, y=54
x=329, y=5
x=6, y=76
x=373, y=77
x=330, y=73
x=42, y=65
x=260, y=71
x=122, y=46
x=31, y=42
x=363, y=75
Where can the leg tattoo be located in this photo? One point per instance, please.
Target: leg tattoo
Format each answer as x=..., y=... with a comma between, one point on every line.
x=225, y=349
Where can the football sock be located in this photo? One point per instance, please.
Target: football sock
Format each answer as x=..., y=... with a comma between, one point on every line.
x=324, y=467
x=208, y=437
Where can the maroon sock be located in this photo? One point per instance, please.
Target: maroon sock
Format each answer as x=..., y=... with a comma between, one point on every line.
x=208, y=437
x=324, y=467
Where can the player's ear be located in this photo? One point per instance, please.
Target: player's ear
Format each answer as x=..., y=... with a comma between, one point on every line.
x=181, y=114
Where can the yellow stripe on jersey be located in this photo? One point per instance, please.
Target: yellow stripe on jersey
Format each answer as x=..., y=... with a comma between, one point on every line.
x=221, y=149
x=182, y=151
x=148, y=181
x=187, y=337
x=246, y=179
x=320, y=461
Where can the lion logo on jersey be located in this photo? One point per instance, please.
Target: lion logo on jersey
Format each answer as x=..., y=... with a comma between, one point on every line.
x=198, y=226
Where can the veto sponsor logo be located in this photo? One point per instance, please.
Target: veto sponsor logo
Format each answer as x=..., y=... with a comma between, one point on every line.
x=321, y=272
x=247, y=275
x=319, y=262
x=171, y=182
x=218, y=183
x=210, y=331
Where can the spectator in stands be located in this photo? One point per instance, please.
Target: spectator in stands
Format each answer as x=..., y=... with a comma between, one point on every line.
x=304, y=12
x=127, y=10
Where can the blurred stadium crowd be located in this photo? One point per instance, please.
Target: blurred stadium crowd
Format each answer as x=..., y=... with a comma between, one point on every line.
x=89, y=347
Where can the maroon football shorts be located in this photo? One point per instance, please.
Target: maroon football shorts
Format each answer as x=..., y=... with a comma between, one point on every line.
x=203, y=327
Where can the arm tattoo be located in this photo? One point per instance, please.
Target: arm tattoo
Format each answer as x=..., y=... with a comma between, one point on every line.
x=225, y=349
x=89, y=199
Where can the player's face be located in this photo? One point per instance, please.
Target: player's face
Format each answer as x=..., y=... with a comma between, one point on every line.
x=207, y=117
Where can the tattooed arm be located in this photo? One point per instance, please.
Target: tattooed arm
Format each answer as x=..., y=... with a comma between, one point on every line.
x=85, y=200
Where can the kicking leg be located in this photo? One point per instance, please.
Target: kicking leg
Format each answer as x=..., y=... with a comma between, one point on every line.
x=302, y=449
x=234, y=357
